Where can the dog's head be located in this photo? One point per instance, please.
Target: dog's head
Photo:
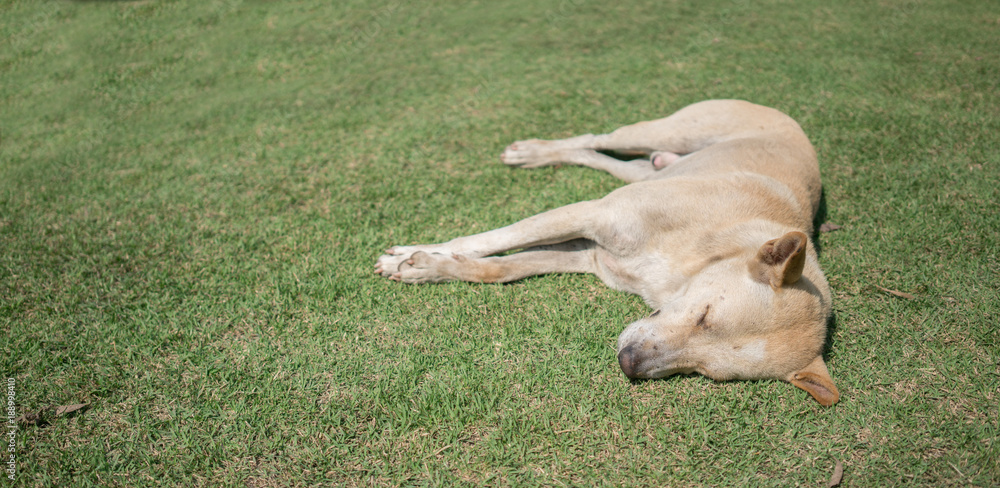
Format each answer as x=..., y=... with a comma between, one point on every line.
x=748, y=316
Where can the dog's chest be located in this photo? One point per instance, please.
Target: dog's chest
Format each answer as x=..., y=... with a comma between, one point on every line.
x=647, y=275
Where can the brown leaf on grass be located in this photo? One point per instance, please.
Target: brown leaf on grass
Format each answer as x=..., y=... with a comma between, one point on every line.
x=68, y=409
x=828, y=227
x=897, y=293
x=36, y=418
x=41, y=418
x=838, y=474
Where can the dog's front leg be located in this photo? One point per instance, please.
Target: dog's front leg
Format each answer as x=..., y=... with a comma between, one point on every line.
x=576, y=256
x=578, y=220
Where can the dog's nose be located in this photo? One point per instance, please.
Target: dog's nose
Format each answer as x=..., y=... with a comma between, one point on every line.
x=627, y=360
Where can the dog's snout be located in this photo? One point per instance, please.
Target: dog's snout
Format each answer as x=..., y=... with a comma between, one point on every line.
x=627, y=360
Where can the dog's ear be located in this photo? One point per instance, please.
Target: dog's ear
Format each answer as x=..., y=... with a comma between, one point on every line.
x=780, y=261
x=816, y=380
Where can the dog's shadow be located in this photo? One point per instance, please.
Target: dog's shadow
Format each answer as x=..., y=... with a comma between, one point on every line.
x=818, y=221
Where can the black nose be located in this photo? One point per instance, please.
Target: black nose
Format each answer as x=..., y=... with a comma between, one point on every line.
x=627, y=360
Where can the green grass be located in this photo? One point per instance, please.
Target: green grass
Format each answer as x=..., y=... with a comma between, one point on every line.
x=193, y=194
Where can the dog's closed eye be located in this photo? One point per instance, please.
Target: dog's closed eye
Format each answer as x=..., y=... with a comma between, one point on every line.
x=654, y=314
x=701, y=320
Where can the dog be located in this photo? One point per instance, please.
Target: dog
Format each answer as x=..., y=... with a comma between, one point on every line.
x=712, y=231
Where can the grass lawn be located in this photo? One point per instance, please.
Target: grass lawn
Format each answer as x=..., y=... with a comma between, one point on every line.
x=193, y=194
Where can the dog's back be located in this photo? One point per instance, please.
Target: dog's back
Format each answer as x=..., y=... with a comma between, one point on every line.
x=754, y=139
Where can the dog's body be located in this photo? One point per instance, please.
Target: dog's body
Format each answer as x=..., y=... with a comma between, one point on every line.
x=711, y=232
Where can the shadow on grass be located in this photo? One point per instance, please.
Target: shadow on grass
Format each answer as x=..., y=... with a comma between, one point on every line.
x=818, y=220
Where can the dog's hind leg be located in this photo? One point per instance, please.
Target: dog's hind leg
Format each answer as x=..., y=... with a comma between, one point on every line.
x=688, y=130
x=698, y=126
x=537, y=153
x=569, y=257
x=628, y=171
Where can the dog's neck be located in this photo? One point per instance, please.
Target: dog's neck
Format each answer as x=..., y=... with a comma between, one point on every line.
x=739, y=242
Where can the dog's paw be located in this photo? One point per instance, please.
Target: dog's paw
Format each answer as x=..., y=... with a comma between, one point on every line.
x=394, y=257
x=414, y=264
x=533, y=153
x=424, y=267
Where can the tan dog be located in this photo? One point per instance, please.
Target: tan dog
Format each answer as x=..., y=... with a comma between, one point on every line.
x=712, y=233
